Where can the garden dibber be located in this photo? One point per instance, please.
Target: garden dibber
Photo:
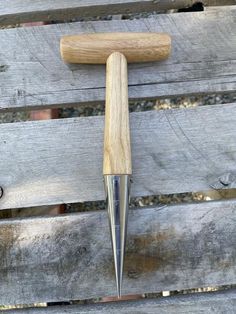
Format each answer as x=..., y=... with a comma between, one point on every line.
x=115, y=50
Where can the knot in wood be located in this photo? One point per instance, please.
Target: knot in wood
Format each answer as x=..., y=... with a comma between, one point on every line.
x=133, y=274
x=227, y=178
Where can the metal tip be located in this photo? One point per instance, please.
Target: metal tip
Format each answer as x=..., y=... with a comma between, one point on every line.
x=117, y=188
x=118, y=261
x=118, y=283
x=119, y=294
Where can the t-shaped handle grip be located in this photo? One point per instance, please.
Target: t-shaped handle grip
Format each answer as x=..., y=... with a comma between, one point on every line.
x=96, y=48
x=114, y=49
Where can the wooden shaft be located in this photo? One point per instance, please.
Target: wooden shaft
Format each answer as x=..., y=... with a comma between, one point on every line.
x=117, y=152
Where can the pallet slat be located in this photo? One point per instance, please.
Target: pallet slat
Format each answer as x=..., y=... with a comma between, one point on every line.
x=208, y=303
x=203, y=60
x=69, y=257
x=19, y=11
x=173, y=151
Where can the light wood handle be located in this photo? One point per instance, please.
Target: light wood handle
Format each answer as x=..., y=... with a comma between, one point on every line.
x=96, y=48
x=117, y=152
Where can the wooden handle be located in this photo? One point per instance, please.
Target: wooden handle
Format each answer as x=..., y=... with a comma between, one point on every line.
x=117, y=152
x=96, y=48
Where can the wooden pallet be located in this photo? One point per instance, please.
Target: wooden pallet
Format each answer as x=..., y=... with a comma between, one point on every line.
x=184, y=246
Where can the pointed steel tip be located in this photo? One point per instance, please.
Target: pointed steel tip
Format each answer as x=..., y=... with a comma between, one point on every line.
x=118, y=292
x=117, y=190
x=119, y=272
x=119, y=289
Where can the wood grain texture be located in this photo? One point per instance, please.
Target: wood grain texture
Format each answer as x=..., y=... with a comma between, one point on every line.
x=96, y=48
x=70, y=256
x=19, y=11
x=117, y=151
x=217, y=302
x=202, y=61
x=173, y=151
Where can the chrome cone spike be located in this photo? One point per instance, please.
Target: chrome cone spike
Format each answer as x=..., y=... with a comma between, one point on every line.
x=117, y=192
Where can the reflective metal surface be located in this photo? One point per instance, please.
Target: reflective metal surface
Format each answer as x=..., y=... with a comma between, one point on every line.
x=117, y=189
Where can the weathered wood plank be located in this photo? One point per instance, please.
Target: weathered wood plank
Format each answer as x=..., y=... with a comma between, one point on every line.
x=19, y=11
x=173, y=151
x=69, y=256
x=212, y=302
x=203, y=60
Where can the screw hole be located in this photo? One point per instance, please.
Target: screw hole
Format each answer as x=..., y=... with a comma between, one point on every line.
x=1, y=192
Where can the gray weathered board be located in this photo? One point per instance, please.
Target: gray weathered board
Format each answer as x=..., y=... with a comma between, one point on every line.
x=203, y=60
x=16, y=11
x=70, y=257
x=223, y=302
x=173, y=151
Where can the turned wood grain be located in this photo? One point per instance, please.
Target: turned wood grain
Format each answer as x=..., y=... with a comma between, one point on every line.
x=96, y=48
x=117, y=151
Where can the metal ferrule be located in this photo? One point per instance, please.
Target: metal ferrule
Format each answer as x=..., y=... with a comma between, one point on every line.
x=117, y=189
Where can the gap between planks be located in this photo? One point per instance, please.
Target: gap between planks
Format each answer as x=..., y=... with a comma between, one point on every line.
x=20, y=11
x=221, y=302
